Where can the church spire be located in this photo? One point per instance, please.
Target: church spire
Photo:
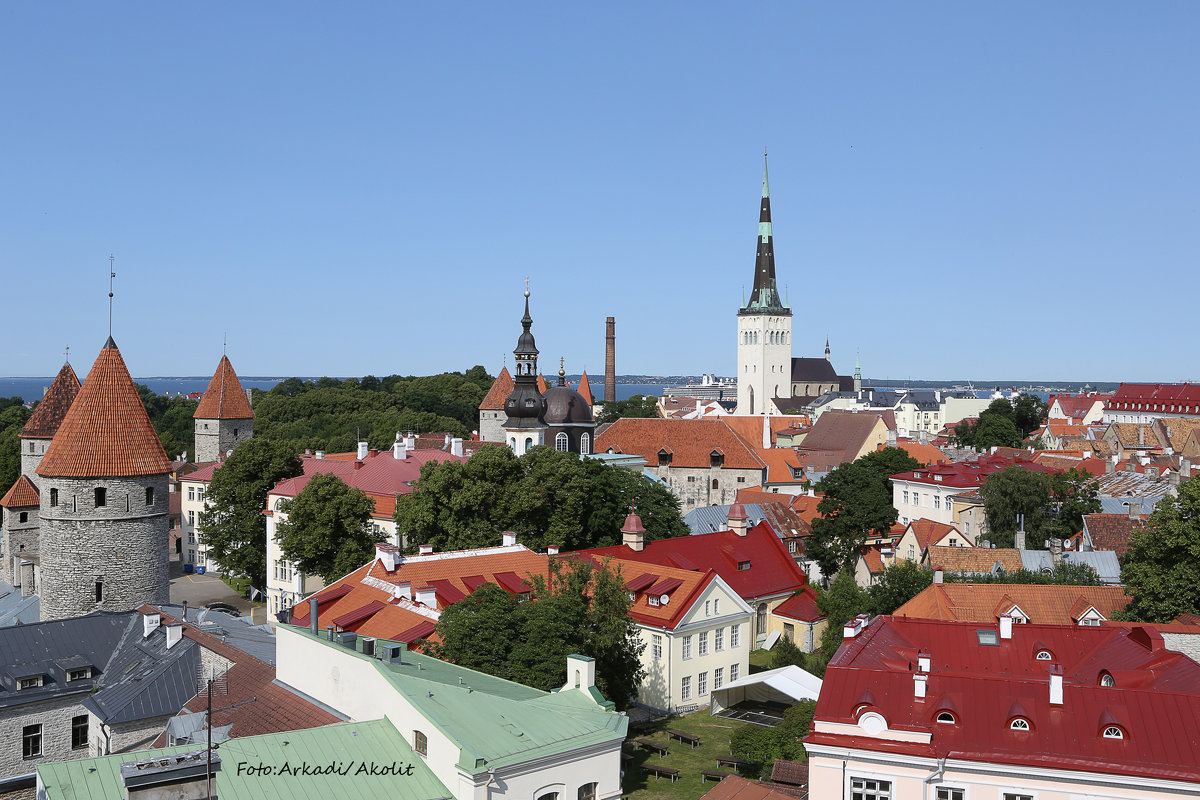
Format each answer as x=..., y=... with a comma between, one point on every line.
x=764, y=297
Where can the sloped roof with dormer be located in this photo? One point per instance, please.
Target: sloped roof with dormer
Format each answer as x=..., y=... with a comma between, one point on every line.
x=44, y=421
x=224, y=398
x=106, y=432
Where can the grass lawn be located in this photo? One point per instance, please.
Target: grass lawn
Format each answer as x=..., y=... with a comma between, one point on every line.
x=760, y=661
x=714, y=733
x=241, y=586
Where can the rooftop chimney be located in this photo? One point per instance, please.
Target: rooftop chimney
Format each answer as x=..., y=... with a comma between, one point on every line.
x=633, y=535
x=425, y=549
x=937, y=576
x=402, y=589
x=362, y=450
x=508, y=539
x=410, y=441
x=920, y=680
x=1056, y=685
x=581, y=673
x=313, y=602
x=855, y=626
x=1135, y=508
x=399, y=451
x=923, y=661
x=1185, y=468
x=610, y=360
x=150, y=623
x=1056, y=550
x=1019, y=540
x=387, y=555
x=320, y=454
x=737, y=518
x=551, y=549
x=427, y=596
x=174, y=633
x=1006, y=623
x=456, y=447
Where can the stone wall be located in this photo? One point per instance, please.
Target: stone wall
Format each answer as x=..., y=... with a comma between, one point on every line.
x=32, y=451
x=694, y=486
x=18, y=537
x=215, y=437
x=491, y=426
x=54, y=715
x=121, y=545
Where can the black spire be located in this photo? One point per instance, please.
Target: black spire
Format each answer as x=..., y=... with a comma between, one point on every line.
x=525, y=405
x=764, y=297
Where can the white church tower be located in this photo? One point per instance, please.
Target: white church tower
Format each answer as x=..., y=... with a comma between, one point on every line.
x=764, y=328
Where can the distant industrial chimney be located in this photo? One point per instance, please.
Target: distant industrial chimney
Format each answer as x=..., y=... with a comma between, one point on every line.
x=610, y=360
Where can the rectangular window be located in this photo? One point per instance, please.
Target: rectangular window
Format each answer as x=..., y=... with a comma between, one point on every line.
x=937, y=501
x=718, y=677
x=743, y=566
x=735, y=635
x=687, y=647
x=707, y=610
x=79, y=731
x=685, y=688
x=906, y=495
x=29, y=683
x=191, y=493
x=101, y=497
x=916, y=499
x=1009, y=796
x=704, y=644
x=200, y=493
x=420, y=743
x=149, y=495
x=79, y=674
x=191, y=518
x=789, y=631
x=870, y=789
x=54, y=497
x=656, y=647
x=944, y=793
x=702, y=684
x=792, y=546
x=719, y=639
x=31, y=741
x=99, y=591
x=716, y=606
x=734, y=671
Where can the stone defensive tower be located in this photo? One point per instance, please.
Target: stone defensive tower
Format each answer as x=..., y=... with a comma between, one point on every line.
x=103, y=504
x=491, y=410
x=44, y=421
x=223, y=418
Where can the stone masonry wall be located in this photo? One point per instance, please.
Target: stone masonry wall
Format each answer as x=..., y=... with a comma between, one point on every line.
x=215, y=437
x=212, y=665
x=491, y=426
x=18, y=537
x=32, y=451
x=54, y=716
x=122, y=544
x=694, y=486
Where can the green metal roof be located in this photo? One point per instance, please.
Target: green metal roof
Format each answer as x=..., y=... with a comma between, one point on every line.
x=351, y=747
x=494, y=722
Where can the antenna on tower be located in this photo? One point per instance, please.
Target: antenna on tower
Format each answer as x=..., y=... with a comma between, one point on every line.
x=111, y=275
x=224, y=343
x=67, y=354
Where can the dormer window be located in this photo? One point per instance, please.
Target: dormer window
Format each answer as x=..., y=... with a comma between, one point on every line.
x=946, y=717
x=1044, y=655
x=652, y=600
x=1107, y=680
x=1019, y=724
x=1113, y=732
x=715, y=459
x=664, y=458
x=30, y=682
x=79, y=674
x=743, y=565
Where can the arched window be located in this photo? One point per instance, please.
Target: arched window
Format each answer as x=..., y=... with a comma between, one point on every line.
x=585, y=444
x=1113, y=732
x=528, y=444
x=1019, y=724
x=1107, y=680
x=1044, y=655
x=560, y=442
x=760, y=621
x=587, y=791
x=714, y=485
x=946, y=717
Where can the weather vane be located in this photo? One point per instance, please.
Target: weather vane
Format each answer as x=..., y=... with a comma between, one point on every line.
x=111, y=275
x=67, y=354
x=527, y=286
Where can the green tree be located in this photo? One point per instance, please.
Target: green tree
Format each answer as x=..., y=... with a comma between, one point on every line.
x=1065, y=573
x=995, y=430
x=643, y=406
x=613, y=638
x=842, y=602
x=1028, y=413
x=898, y=584
x=232, y=526
x=13, y=416
x=1013, y=492
x=1073, y=494
x=479, y=631
x=1161, y=569
x=786, y=654
x=328, y=528
x=762, y=746
x=964, y=433
x=857, y=501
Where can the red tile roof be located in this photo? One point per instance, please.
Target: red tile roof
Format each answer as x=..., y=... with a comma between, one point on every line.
x=1170, y=398
x=928, y=531
x=636, y=574
x=772, y=570
x=224, y=398
x=801, y=606
x=984, y=602
x=1155, y=699
x=106, y=432
x=966, y=474
x=585, y=389
x=48, y=415
x=691, y=442
x=21, y=494
x=1113, y=531
x=735, y=787
x=501, y=388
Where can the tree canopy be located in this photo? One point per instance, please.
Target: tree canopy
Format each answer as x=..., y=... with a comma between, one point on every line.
x=232, y=526
x=1161, y=569
x=638, y=405
x=546, y=497
x=899, y=583
x=761, y=746
x=581, y=610
x=1064, y=574
x=1053, y=504
x=328, y=528
x=1004, y=423
x=857, y=501
x=13, y=416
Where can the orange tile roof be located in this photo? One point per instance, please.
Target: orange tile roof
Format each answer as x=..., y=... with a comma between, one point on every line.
x=735, y=787
x=983, y=602
x=925, y=453
x=21, y=494
x=690, y=442
x=928, y=531
x=974, y=559
x=541, y=384
x=224, y=397
x=501, y=388
x=751, y=428
x=107, y=432
x=585, y=389
x=780, y=464
x=44, y=421
x=691, y=584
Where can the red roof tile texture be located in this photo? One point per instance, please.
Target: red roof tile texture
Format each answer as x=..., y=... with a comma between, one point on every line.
x=224, y=398
x=735, y=787
x=1171, y=398
x=501, y=388
x=691, y=442
x=106, y=432
x=801, y=606
x=43, y=423
x=585, y=389
x=982, y=602
x=21, y=494
x=1113, y=531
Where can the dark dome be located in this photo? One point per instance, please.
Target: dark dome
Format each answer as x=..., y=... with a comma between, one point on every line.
x=564, y=405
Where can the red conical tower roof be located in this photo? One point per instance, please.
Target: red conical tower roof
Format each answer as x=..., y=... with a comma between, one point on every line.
x=501, y=389
x=107, y=432
x=44, y=421
x=585, y=389
x=224, y=397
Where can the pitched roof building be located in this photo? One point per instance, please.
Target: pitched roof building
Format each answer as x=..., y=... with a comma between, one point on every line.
x=1041, y=604
x=1144, y=402
x=223, y=417
x=46, y=418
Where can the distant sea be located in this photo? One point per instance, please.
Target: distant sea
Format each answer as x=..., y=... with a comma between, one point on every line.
x=30, y=389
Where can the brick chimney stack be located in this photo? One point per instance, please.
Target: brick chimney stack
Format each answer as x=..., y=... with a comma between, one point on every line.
x=610, y=360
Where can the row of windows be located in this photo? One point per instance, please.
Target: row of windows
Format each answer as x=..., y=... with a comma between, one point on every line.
x=773, y=337
x=31, y=737
x=562, y=444
x=718, y=680
x=196, y=493
x=100, y=497
x=718, y=641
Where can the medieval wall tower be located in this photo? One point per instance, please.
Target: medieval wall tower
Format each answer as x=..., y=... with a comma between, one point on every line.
x=223, y=417
x=44, y=421
x=764, y=328
x=103, y=500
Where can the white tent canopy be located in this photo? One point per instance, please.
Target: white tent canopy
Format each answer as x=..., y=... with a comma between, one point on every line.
x=785, y=686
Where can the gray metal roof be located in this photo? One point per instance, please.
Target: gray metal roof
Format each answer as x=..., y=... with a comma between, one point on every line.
x=707, y=519
x=155, y=689
x=1103, y=561
x=1119, y=505
x=239, y=632
x=18, y=610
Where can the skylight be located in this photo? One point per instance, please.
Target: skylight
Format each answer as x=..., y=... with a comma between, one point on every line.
x=987, y=636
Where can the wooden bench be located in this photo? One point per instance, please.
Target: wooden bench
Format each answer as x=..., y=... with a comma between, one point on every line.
x=732, y=761
x=714, y=774
x=659, y=772
x=686, y=738
x=650, y=744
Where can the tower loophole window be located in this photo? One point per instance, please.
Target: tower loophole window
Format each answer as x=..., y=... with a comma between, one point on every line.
x=101, y=497
x=54, y=497
x=149, y=495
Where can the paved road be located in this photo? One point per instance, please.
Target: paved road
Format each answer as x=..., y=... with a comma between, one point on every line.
x=200, y=590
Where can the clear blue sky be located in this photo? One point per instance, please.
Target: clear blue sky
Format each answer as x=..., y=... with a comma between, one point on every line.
x=985, y=190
